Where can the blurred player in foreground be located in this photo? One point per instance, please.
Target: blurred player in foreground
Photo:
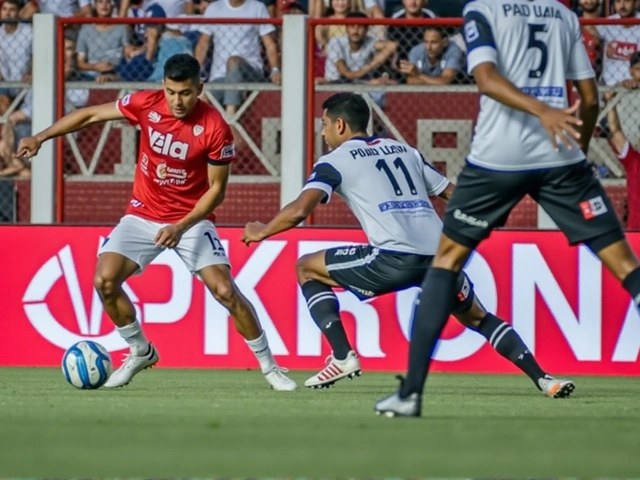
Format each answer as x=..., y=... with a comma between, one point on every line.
x=521, y=54
x=387, y=186
x=185, y=156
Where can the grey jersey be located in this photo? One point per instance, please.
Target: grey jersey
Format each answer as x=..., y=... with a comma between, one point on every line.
x=387, y=185
x=536, y=45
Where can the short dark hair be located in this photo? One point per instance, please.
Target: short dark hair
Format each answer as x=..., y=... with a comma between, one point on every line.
x=357, y=14
x=635, y=59
x=434, y=28
x=15, y=3
x=182, y=67
x=351, y=108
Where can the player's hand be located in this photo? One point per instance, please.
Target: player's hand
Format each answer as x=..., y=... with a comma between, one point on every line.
x=28, y=148
x=253, y=233
x=561, y=123
x=168, y=237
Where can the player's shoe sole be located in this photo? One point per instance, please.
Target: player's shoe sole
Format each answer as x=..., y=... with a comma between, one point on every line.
x=561, y=390
x=153, y=359
x=129, y=381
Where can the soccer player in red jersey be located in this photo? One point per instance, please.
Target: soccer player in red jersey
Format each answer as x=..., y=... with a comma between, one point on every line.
x=186, y=149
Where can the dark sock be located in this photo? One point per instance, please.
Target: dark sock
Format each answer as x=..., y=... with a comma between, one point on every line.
x=506, y=341
x=430, y=315
x=325, y=311
x=632, y=285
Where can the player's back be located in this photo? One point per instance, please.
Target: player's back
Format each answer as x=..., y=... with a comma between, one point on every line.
x=537, y=46
x=387, y=186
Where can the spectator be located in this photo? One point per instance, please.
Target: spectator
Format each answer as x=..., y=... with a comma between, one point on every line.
x=292, y=7
x=620, y=43
x=142, y=67
x=339, y=9
x=237, y=55
x=19, y=124
x=436, y=61
x=172, y=42
x=322, y=8
x=15, y=51
x=592, y=9
x=101, y=47
x=356, y=56
x=630, y=159
x=61, y=8
x=406, y=37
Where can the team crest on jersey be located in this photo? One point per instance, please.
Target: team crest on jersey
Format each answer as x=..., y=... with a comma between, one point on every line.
x=228, y=152
x=154, y=117
x=197, y=130
x=126, y=100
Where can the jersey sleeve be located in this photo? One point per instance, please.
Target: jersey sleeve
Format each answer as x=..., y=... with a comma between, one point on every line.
x=131, y=106
x=478, y=36
x=222, y=150
x=579, y=65
x=324, y=177
x=435, y=182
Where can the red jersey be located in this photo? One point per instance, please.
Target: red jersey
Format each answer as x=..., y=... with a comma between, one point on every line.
x=630, y=159
x=592, y=45
x=171, y=174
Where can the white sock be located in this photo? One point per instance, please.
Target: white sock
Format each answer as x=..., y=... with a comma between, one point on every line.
x=134, y=336
x=260, y=348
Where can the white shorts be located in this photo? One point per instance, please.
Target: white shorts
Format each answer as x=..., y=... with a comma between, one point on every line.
x=134, y=237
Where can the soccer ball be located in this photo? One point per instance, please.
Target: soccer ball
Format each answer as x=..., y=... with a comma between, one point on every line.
x=86, y=365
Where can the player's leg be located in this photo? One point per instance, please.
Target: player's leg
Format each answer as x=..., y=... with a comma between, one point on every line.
x=317, y=288
x=128, y=250
x=469, y=311
x=579, y=205
x=202, y=253
x=481, y=201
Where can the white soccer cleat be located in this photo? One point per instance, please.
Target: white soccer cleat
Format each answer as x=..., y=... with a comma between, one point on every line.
x=131, y=366
x=336, y=370
x=279, y=381
x=556, y=387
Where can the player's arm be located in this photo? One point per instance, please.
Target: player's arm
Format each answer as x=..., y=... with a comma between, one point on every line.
x=218, y=180
x=447, y=192
x=324, y=179
x=76, y=120
x=289, y=217
x=589, y=109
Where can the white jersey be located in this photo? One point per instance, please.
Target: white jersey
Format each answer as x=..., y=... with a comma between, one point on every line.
x=387, y=185
x=536, y=45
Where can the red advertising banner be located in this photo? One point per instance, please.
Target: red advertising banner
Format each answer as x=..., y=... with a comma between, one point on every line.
x=571, y=313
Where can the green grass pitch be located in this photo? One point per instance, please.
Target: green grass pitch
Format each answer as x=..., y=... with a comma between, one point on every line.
x=176, y=423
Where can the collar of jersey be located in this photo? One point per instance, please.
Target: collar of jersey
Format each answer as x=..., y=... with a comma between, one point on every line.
x=366, y=139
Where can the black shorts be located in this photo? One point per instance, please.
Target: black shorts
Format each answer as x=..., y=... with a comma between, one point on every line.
x=368, y=272
x=573, y=198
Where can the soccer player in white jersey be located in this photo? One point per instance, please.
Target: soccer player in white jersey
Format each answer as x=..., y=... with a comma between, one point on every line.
x=527, y=141
x=387, y=186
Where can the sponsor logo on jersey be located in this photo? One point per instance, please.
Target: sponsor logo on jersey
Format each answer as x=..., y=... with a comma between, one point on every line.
x=126, y=100
x=197, y=130
x=228, y=151
x=621, y=50
x=135, y=203
x=144, y=164
x=593, y=208
x=413, y=205
x=471, y=32
x=166, y=145
x=469, y=220
x=154, y=117
x=170, y=176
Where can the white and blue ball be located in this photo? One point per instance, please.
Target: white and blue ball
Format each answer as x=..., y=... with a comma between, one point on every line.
x=86, y=365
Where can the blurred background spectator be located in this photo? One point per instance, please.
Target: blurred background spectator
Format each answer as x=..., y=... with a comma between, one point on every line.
x=435, y=61
x=61, y=8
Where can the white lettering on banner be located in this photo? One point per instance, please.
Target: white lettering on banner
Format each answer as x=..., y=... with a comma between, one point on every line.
x=628, y=345
x=367, y=334
x=468, y=342
x=179, y=304
x=60, y=266
x=217, y=317
x=531, y=273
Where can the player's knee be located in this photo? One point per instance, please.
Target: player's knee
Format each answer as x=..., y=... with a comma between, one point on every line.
x=224, y=292
x=105, y=285
x=304, y=272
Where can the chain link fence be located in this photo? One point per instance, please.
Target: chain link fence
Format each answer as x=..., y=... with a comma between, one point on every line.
x=413, y=75
x=104, y=62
